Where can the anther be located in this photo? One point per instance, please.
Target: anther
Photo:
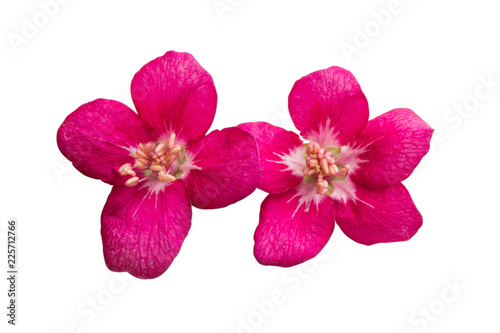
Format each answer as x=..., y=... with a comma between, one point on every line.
x=309, y=172
x=315, y=147
x=163, y=176
x=175, y=150
x=329, y=159
x=141, y=154
x=140, y=164
x=132, y=181
x=148, y=148
x=159, y=149
x=345, y=170
x=321, y=153
x=171, y=159
x=313, y=162
x=156, y=167
x=324, y=166
x=123, y=169
x=171, y=140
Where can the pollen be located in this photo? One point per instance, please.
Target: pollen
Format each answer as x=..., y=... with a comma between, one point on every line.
x=152, y=161
x=322, y=166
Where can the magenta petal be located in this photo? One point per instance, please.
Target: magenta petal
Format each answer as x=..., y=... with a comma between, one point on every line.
x=291, y=230
x=328, y=106
x=143, y=230
x=392, y=145
x=173, y=93
x=277, y=147
x=98, y=136
x=378, y=216
x=222, y=168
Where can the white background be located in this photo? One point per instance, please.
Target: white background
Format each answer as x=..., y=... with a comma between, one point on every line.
x=428, y=56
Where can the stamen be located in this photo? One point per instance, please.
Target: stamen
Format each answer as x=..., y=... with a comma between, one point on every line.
x=142, y=154
x=140, y=164
x=132, y=181
x=309, y=172
x=175, y=150
x=321, y=164
x=156, y=167
x=309, y=149
x=345, y=170
x=123, y=169
x=313, y=162
x=163, y=176
x=159, y=149
x=321, y=153
x=148, y=148
x=324, y=166
x=154, y=160
x=170, y=142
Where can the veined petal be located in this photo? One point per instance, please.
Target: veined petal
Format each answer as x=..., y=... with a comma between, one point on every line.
x=100, y=136
x=281, y=155
x=294, y=226
x=328, y=106
x=391, y=145
x=174, y=94
x=378, y=216
x=143, y=229
x=222, y=168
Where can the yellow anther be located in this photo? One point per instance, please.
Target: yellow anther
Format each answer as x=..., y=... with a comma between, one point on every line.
x=140, y=164
x=141, y=154
x=175, y=149
x=123, y=169
x=156, y=167
x=171, y=140
x=148, y=148
x=160, y=149
x=132, y=181
x=164, y=177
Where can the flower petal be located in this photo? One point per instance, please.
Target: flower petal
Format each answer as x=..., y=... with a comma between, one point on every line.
x=391, y=145
x=173, y=93
x=98, y=138
x=281, y=155
x=378, y=216
x=328, y=106
x=294, y=226
x=222, y=168
x=143, y=229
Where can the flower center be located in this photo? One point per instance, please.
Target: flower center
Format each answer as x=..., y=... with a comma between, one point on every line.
x=322, y=167
x=155, y=160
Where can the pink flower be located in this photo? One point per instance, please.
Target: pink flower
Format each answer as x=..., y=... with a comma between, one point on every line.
x=350, y=172
x=159, y=161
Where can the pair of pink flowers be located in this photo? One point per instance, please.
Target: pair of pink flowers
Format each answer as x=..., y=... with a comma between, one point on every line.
x=160, y=162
